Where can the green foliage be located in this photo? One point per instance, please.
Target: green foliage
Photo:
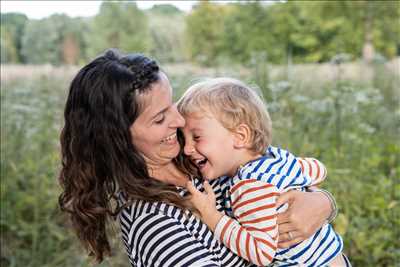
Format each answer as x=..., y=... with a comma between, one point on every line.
x=165, y=9
x=7, y=46
x=292, y=31
x=166, y=27
x=351, y=22
x=45, y=40
x=119, y=25
x=244, y=32
x=36, y=48
x=30, y=122
x=204, y=29
x=12, y=30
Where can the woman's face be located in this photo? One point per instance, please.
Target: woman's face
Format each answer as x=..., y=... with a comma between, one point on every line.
x=154, y=131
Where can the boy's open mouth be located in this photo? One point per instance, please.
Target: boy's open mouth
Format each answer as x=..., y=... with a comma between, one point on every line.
x=200, y=163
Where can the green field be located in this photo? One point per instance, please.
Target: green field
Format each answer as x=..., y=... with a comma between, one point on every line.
x=347, y=116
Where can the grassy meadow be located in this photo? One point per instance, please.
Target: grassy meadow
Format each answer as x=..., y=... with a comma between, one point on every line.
x=345, y=114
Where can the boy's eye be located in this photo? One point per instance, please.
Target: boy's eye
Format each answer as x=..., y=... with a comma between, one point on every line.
x=196, y=137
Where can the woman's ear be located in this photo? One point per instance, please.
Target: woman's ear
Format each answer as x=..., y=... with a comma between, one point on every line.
x=242, y=136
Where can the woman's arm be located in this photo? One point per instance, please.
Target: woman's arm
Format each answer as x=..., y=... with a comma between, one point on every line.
x=307, y=212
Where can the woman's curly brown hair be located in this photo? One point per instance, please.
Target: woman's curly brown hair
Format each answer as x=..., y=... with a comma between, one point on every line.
x=98, y=156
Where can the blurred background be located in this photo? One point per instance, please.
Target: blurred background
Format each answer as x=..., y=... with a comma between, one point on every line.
x=329, y=71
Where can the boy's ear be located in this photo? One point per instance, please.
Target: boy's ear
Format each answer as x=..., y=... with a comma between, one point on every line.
x=242, y=136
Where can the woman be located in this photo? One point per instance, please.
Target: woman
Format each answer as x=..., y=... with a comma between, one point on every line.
x=120, y=138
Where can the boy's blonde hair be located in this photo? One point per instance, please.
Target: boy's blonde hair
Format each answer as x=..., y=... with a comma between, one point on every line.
x=232, y=103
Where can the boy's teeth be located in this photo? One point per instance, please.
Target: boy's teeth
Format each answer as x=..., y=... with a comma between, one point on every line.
x=200, y=161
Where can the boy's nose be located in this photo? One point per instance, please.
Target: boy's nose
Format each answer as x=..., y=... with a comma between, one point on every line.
x=188, y=150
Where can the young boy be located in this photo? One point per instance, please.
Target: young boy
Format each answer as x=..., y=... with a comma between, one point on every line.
x=228, y=133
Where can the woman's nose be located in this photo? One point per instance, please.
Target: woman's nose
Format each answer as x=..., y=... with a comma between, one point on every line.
x=179, y=121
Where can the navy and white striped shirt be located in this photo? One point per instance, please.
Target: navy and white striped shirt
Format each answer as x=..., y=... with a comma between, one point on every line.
x=255, y=213
x=158, y=234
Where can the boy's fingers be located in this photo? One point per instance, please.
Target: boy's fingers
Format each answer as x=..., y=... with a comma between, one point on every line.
x=208, y=188
x=191, y=188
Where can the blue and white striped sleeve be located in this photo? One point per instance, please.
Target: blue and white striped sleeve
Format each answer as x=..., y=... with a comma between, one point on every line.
x=160, y=240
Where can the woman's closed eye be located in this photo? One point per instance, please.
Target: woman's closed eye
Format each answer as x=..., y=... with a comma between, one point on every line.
x=160, y=119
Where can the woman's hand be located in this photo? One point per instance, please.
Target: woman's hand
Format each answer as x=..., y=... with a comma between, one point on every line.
x=205, y=203
x=307, y=212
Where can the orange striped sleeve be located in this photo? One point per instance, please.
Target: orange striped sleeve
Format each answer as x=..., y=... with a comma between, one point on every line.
x=314, y=169
x=253, y=232
x=250, y=190
x=249, y=201
x=224, y=235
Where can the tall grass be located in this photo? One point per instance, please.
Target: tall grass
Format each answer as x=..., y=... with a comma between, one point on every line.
x=354, y=128
x=351, y=126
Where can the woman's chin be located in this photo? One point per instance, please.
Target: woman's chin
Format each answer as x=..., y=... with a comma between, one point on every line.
x=174, y=149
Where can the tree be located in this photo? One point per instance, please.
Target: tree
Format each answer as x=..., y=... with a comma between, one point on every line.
x=12, y=30
x=246, y=32
x=351, y=26
x=70, y=49
x=381, y=27
x=7, y=47
x=204, y=32
x=165, y=9
x=57, y=39
x=366, y=26
x=167, y=29
x=39, y=43
x=119, y=25
x=293, y=31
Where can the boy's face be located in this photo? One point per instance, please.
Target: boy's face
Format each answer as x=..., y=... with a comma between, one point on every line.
x=209, y=146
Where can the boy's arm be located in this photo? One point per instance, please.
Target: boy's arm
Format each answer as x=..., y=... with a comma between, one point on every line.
x=253, y=234
x=314, y=169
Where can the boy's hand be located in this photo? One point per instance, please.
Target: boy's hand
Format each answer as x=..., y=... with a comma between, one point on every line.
x=205, y=203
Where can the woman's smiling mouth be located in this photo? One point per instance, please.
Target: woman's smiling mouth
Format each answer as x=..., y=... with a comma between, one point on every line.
x=170, y=139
